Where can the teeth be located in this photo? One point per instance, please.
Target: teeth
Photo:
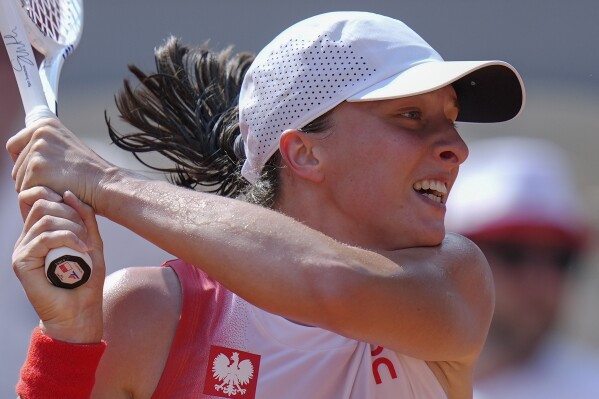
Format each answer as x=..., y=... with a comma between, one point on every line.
x=441, y=188
x=434, y=185
x=433, y=197
x=438, y=188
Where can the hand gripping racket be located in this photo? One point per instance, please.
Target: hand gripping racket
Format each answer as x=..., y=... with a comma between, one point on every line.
x=54, y=27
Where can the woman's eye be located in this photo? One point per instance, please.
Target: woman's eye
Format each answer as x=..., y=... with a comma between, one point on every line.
x=411, y=114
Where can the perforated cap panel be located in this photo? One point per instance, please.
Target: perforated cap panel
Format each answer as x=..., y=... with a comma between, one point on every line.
x=315, y=74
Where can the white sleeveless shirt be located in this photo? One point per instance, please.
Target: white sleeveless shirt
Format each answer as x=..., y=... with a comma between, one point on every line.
x=236, y=350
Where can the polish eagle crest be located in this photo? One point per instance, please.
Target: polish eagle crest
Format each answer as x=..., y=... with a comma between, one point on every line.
x=231, y=373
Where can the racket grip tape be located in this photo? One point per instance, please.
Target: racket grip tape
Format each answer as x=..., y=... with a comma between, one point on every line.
x=67, y=268
x=38, y=112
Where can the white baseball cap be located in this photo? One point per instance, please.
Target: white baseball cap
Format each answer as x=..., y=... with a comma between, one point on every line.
x=510, y=183
x=316, y=64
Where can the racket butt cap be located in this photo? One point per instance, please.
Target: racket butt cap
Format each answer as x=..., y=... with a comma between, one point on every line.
x=67, y=268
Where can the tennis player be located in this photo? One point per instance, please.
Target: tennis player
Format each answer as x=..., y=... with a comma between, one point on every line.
x=322, y=270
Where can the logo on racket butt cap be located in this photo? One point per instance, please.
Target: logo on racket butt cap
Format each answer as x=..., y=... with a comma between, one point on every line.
x=66, y=268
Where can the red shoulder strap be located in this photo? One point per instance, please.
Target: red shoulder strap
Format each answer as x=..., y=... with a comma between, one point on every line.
x=184, y=373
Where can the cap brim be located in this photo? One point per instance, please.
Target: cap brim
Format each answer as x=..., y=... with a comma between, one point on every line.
x=488, y=91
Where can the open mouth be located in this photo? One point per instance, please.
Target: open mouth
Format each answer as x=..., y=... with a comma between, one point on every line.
x=432, y=189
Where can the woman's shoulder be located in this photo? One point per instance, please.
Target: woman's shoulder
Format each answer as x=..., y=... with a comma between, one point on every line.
x=453, y=252
x=142, y=306
x=461, y=244
x=142, y=303
x=131, y=290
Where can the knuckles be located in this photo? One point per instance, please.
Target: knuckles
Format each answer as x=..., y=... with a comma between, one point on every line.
x=46, y=223
x=39, y=209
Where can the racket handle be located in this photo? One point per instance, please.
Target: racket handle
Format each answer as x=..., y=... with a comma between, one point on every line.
x=67, y=268
x=38, y=112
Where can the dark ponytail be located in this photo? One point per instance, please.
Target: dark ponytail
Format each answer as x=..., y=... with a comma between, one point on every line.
x=187, y=112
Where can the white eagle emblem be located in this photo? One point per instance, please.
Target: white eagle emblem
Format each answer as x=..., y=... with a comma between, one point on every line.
x=232, y=373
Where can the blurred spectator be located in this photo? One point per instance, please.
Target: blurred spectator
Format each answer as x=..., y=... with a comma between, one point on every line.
x=14, y=306
x=516, y=198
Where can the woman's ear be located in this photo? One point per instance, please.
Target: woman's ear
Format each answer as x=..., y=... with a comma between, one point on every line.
x=298, y=152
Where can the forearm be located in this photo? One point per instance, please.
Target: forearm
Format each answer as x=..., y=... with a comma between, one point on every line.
x=258, y=253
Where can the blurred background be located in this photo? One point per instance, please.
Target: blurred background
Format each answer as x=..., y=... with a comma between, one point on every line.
x=554, y=44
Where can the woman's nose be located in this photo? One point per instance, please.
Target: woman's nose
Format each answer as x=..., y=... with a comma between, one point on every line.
x=452, y=147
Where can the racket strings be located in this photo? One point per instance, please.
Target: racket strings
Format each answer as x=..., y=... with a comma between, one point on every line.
x=60, y=20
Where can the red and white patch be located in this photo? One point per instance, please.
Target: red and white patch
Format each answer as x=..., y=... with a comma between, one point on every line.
x=231, y=373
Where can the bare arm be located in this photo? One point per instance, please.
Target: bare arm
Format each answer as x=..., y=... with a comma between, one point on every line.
x=433, y=303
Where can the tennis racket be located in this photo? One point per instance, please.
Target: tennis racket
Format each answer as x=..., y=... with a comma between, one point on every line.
x=54, y=28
